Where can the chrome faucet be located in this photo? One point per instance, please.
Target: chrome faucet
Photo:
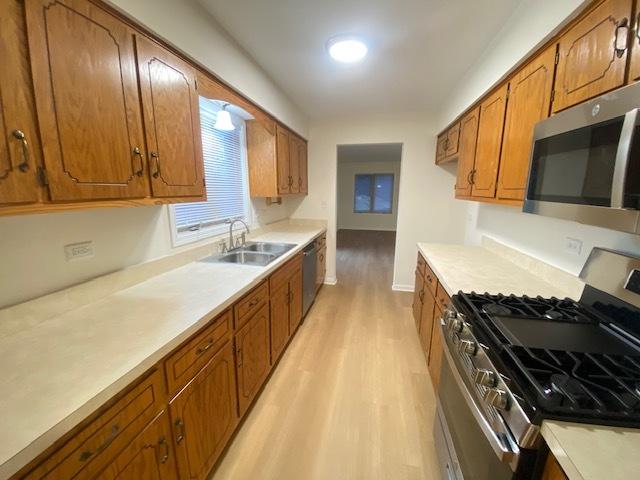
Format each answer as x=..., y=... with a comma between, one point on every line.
x=231, y=224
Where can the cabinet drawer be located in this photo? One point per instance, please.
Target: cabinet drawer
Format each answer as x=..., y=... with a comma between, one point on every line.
x=421, y=265
x=95, y=446
x=183, y=365
x=443, y=300
x=282, y=275
x=250, y=304
x=430, y=279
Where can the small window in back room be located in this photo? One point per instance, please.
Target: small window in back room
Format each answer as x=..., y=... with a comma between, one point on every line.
x=225, y=172
x=373, y=193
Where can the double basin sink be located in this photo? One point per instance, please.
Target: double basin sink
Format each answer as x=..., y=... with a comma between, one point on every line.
x=252, y=253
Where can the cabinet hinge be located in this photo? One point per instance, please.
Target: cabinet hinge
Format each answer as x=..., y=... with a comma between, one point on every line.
x=557, y=57
x=42, y=176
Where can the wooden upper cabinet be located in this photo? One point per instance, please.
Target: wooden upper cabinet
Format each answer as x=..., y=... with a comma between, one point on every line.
x=282, y=160
x=453, y=141
x=172, y=121
x=593, y=54
x=86, y=91
x=441, y=148
x=204, y=415
x=490, y=127
x=467, y=154
x=19, y=144
x=634, y=42
x=294, y=163
x=529, y=102
x=303, y=168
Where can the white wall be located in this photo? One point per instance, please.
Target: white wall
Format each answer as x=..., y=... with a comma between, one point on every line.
x=347, y=219
x=542, y=237
x=427, y=211
x=33, y=262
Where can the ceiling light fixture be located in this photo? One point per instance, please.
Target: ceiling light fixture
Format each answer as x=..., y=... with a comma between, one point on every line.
x=223, y=120
x=346, y=49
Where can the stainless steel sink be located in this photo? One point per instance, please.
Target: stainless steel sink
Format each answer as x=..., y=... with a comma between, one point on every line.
x=254, y=253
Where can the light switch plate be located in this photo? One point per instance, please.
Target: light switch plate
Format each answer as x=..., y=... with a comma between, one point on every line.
x=75, y=251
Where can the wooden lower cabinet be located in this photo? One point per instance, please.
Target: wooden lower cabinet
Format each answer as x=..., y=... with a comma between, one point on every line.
x=321, y=267
x=286, y=305
x=204, y=415
x=252, y=357
x=435, y=351
x=426, y=320
x=295, y=301
x=553, y=470
x=279, y=321
x=418, y=298
x=150, y=456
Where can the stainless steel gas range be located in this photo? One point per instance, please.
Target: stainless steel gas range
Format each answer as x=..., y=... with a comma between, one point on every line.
x=512, y=362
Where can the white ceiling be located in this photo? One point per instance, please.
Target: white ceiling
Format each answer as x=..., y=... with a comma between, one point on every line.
x=419, y=49
x=370, y=152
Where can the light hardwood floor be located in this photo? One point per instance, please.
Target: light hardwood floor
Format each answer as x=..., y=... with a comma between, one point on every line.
x=351, y=398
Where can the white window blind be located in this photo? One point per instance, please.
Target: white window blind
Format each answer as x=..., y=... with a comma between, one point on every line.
x=225, y=178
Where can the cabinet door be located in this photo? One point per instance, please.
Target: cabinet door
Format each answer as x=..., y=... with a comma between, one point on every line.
x=303, y=168
x=204, y=416
x=467, y=149
x=435, y=352
x=426, y=321
x=172, y=122
x=553, y=470
x=150, y=455
x=441, y=147
x=282, y=160
x=279, y=320
x=294, y=163
x=321, y=267
x=593, y=54
x=418, y=296
x=19, y=144
x=529, y=102
x=490, y=127
x=634, y=63
x=295, y=301
x=252, y=357
x=86, y=91
x=453, y=141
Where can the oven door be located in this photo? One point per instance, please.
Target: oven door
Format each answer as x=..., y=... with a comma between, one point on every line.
x=467, y=447
x=585, y=163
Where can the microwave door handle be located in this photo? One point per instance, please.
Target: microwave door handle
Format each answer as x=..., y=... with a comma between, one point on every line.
x=622, y=158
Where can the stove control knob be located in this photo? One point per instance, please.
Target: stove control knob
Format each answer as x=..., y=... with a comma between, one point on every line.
x=453, y=323
x=497, y=398
x=486, y=378
x=467, y=347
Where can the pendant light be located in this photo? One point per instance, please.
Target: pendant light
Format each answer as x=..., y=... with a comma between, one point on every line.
x=223, y=120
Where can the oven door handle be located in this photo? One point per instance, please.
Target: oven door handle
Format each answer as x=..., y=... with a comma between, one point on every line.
x=623, y=154
x=508, y=454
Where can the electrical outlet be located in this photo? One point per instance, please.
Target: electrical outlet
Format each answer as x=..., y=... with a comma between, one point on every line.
x=75, y=251
x=573, y=245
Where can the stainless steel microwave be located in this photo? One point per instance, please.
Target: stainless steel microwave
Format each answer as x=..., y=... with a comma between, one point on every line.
x=585, y=163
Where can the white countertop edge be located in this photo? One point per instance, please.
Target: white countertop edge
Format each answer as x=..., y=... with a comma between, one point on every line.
x=48, y=438
x=556, y=449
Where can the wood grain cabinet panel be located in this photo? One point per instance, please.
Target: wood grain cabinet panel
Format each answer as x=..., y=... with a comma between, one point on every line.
x=303, y=168
x=86, y=90
x=19, y=143
x=553, y=470
x=204, y=415
x=634, y=41
x=441, y=148
x=282, y=159
x=321, y=266
x=252, y=357
x=435, y=352
x=467, y=152
x=295, y=301
x=279, y=323
x=150, y=456
x=250, y=304
x=418, y=298
x=593, y=54
x=294, y=163
x=490, y=128
x=426, y=321
x=172, y=121
x=453, y=141
x=529, y=102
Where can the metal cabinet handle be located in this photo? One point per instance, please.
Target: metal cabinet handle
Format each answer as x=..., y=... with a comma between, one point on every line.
x=239, y=356
x=201, y=350
x=163, y=443
x=87, y=454
x=138, y=153
x=621, y=40
x=156, y=157
x=254, y=302
x=179, y=424
x=19, y=134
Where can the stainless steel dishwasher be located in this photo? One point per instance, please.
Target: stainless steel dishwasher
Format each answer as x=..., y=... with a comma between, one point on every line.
x=308, y=276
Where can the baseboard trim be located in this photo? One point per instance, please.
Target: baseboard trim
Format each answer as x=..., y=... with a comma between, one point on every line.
x=330, y=280
x=402, y=288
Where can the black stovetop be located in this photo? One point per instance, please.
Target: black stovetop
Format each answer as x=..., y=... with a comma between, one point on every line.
x=566, y=360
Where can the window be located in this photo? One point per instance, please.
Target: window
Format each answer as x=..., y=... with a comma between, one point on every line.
x=225, y=172
x=373, y=193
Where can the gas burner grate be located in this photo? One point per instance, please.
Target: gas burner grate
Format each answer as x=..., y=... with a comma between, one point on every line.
x=589, y=386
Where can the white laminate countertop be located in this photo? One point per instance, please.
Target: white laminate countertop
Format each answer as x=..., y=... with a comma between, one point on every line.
x=57, y=372
x=585, y=452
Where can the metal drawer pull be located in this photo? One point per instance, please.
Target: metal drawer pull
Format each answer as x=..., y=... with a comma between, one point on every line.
x=19, y=134
x=137, y=153
x=87, y=454
x=163, y=443
x=201, y=350
x=156, y=157
x=621, y=39
x=179, y=424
